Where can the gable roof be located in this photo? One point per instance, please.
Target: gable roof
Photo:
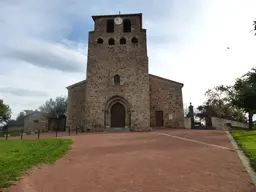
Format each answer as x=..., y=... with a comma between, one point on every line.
x=168, y=80
x=32, y=113
x=76, y=84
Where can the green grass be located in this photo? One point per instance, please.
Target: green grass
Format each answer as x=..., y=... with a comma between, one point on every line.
x=17, y=156
x=247, y=141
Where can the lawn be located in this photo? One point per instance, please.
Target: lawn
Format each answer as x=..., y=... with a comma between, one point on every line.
x=247, y=141
x=17, y=156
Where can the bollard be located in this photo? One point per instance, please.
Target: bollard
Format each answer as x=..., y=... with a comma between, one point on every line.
x=6, y=136
x=21, y=134
x=69, y=130
x=76, y=130
x=56, y=132
x=38, y=134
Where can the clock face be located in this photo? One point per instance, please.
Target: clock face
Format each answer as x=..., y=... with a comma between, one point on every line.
x=118, y=20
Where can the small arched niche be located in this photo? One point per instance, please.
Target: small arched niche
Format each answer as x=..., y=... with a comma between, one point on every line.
x=122, y=41
x=100, y=41
x=134, y=40
x=111, y=41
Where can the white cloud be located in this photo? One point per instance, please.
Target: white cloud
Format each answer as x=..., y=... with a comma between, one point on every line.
x=41, y=52
x=46, y=55
x=201, y=60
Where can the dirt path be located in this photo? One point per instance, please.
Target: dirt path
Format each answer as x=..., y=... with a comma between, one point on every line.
x=143, y=162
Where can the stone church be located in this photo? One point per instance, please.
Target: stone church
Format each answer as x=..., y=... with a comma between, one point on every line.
x=118, y=91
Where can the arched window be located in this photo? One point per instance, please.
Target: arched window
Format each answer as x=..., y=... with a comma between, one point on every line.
x=127, y=25
x=110, y=26
x=122, y=41
x=134, y=40
x=117, y=80
x=100, y=41
x=111, y=41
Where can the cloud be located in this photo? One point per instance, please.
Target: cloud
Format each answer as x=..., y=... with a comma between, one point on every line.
x=23, y=92
x=44, y=44
x=46, y=55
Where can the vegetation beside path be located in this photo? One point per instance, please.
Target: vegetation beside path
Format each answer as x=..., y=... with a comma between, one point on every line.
x=17, y=156
x=247, y=141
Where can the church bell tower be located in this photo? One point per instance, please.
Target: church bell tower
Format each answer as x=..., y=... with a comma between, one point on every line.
x=117, y=79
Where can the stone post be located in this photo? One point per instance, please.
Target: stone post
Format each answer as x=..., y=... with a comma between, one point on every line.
x=191, y=114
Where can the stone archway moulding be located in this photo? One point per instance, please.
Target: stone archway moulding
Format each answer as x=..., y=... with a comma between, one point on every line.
x=111, y=101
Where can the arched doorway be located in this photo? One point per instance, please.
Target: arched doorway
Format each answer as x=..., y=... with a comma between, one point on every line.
x=117, y=112
x=117, y=115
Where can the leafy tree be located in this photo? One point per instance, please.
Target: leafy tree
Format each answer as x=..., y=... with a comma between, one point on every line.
x=54, y=108
x=21, y=116
x=243, y=94
x=5, y=112
x=218, y=104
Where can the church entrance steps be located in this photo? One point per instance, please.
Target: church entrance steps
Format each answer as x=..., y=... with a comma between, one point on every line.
x=117, y=129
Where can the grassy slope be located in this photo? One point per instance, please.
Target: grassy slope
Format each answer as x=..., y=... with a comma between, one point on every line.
x=247, y=141
x=17, y=156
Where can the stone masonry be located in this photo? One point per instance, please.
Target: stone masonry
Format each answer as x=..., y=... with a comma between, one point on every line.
x=119, y=91
x=76, y=104
x=36, y=120
x=166, y=96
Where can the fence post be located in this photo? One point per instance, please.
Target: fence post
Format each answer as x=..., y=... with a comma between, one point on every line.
x=76, y=130
x=6, y=136
x=38, y=134
x=21, y=134
x=69, y=130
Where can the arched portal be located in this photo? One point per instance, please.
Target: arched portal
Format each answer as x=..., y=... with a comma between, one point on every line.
x=117, y=115
x=117, y=112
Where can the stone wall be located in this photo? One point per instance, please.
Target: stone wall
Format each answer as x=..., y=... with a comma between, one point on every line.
x=222, y=124
x=166, y=96
x=129, y=61
x=187, y=122
x=76, y=105
x=35, y=121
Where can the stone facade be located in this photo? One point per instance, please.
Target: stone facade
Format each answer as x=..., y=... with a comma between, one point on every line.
x=166, y=96
x=118, y=89
x=76, y=104
x=36, y=120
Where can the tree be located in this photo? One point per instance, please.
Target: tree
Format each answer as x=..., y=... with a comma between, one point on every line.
x=243, y=94
x=5, y=112
x=21, y=116
x=54, y=108
x=218, y=104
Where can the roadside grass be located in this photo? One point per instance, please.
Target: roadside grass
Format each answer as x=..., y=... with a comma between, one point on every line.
x=18, y=156
x=247, y=141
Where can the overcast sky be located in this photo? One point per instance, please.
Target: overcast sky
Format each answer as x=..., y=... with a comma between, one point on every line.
x=43, y=44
